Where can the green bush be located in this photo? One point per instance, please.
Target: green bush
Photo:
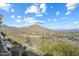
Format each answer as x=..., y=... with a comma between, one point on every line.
x=14, y=51
x=60, y=48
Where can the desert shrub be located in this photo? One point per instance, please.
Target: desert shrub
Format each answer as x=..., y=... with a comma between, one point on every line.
x=14, y=51
x=60, y=48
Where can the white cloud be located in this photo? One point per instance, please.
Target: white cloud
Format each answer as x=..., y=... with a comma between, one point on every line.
x=12, y=16
x=18, y=16
x=73, y=25
x=32, y=20
x=37, y=9
x=70, y=7
x=38, y=15
x=55, y=19
x=66, y=27
x=57, y=13
x=49, y=20
x=32, y=9
x=18, y=20
x=68, y=12
x=43, y=7
x=12, y=10
x=76, y=25
x=5, y=6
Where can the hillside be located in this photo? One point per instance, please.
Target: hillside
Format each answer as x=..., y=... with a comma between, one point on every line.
x=33, y=33
x=39, y=39
x=30, y=30
x=36, y=29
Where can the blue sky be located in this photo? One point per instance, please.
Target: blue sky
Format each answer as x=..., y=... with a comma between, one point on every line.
x=50, y=15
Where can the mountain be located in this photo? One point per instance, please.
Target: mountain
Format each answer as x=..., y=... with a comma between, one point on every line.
x=31, y=34
x=34, y=35
x=8, y=29
x=30, y=30
x=69, y=30
x=35, y=29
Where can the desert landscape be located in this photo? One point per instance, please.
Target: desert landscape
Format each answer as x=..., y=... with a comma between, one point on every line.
x=37, y=33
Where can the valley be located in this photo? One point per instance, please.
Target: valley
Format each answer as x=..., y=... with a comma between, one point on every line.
x=36, y=38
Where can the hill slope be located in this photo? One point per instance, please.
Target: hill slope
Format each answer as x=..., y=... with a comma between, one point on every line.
x=30, y=30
